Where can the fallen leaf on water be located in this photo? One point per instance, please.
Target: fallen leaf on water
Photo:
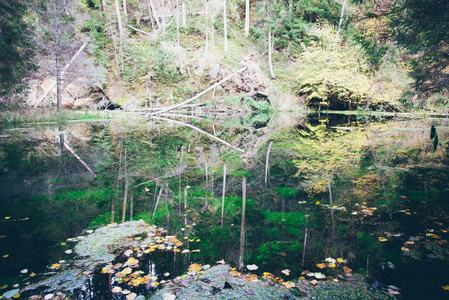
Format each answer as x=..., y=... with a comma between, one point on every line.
x=382, y=239
x=194, y=267
x=116, y=289
x=393, y=292
x=3, y=287
x=131, y=296
x=252, y=267
x=330, y=260
x=289, y=284
x=191, y=240
x=168, y=296
x=176, y=250
x=32, y=274
x=347, y=270
x=268, y=275
x=318, y=202
x=314, y=282
x=24, y=271
x=5, y=256
x=68, y=251
x=7, y=218
x=55, y=266
x=222, y=262
x=185, y=251
x=340, y=260
x=16, y=296
x=319, y=275
x=127, y=271
x=405, y=249
x=286, y=272
x=445, y=287
x=154, y=284
x=331, y=265
x=321, y=266
x=126, y=292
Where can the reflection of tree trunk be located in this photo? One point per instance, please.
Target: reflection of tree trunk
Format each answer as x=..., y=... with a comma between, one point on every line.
x=180, y=171
x=112, y=213
x=77, y=157
x=378, y=169
x=270, y=46
x=331, y=203
x=61, y=141
x=304, y=248
x=200, y=130
x=157, y=200
x=125, y=194
x=207, y=183
x=224, y=193
x=131, y=208
x=185, y=206
x=266, y=162
x=242, y=227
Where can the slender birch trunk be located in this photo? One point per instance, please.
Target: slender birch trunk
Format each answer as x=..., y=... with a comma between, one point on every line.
x=270, y=46
x=185, y=206
x=225, y=27
x=246, y=17
x=242, y=227
x=341, y=17
x=125, y=9
x=184, y=19
x=131, y=208
x=119, y=19
x=304, y=248
x=207, y=30
x=224, y=193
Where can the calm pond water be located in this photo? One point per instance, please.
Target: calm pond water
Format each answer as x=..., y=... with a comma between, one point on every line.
x=387, y=179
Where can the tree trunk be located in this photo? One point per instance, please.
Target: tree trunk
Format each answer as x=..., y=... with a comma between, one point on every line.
x=225, y=27
x=207, y=29
x=270, y=46
x=184, y=19
x=224, y=193
x=246, y=17
x=304, y=249
x=185, y=206
x=242, y=227
x=131, y=208
x=125, y=10
x=119, y=20
x=341, y=17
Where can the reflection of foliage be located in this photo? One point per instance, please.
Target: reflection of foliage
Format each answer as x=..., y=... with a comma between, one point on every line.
x=320, y=149
x=367, y=187
x=287, y=192
x=290, y=222
x=279, y=255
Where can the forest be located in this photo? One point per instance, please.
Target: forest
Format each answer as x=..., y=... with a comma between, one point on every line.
x=321, y=54
x=179, y=149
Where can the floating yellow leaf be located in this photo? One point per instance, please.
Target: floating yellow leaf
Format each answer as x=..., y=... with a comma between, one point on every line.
x=127, y=271
x=176, y=250
x=154, y=284
x=191, y=240
x=120, y=274
x=283, y=220
x=194, y=267
x=340, y=260
x=445, y=287
x=55, y=266
x=408, y=213
x=268, y=275
x=439, y=223
x=198, y=240
x=318, y=202
x=138, y=238
x=347, y=270
x=178, y=244
x=116, y=289
x=331, y=265
x=7, y=218
x=5, y=256
x=321, y=266
x=405, y=249
x=131, y=296
x=147, y=189
x=382, y=239
x=16, y=296
x=3, y=287
x=32, y=274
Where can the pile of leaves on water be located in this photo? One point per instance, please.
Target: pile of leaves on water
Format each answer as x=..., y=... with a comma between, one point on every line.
x=224, y=282
x=136, y=261
x=118, y=253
